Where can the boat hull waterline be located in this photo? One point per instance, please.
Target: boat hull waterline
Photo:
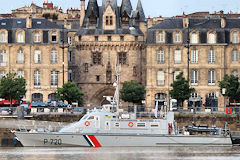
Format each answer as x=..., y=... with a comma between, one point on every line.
x=104, y=140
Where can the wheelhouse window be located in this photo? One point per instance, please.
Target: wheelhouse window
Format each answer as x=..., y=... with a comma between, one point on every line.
x=211, y=77
x=234, y=56
x=54, y=79
x=20, y=56
x=3, y=59
x=37, y=56
x=37, y=79
x=211, y=56
x=54, y=57
x=160, y=56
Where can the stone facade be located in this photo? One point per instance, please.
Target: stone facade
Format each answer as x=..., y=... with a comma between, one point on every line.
x=213, y=52
x=31, y=48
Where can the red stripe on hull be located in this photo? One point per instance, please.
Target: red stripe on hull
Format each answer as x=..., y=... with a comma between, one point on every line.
x=94, y=141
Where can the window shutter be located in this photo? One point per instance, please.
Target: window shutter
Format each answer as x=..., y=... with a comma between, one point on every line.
x=196, y=56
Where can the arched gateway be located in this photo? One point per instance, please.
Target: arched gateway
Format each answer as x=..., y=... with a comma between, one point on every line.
x=98, y=98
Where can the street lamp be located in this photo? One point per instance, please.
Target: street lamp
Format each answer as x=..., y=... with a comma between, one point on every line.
x=63, y=47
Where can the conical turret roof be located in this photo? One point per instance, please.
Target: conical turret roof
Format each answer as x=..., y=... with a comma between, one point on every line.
x=126, y=6
x=140, y=11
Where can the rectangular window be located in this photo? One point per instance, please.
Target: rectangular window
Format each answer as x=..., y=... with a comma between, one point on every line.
x=194, y=77
x=177, y=37
x=20, y=57
x=79, y=38
x=54, y=57
x=86, y=67
x=2, y=74
x=2, y=37
x=176, y=73
x=3, y=59
x=97, y=78
x=211, y=39
x=141, y=124
x=37, y=37
x=160, y=78
x=54, y=79
x=20, y=74
x=160, y=36
x=211, y=77
x=37, y=56
x=211, y=56
x=20, y=37
x=70, y=40
x=97, y=58
x=160, y=56
x=194, y=38
x=122, y=58
x=234, y=56
x=70, y=75
x=177, y=57
x=109, y=20
x=109, y=38
x=121, y=38
x=37, y=79
x=136, y=38
x=70, y=56
x=96, y=38
x=54, y=37
x=235, y=37
x=194, y=56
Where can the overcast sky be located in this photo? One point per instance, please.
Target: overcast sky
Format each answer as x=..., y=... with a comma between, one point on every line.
x=153, y=8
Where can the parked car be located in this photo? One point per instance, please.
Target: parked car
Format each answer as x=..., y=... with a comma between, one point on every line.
x=39, y=104
x=4, y=111
x=77, y=109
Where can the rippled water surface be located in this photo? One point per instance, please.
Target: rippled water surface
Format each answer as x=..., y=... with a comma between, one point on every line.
x=122, y=153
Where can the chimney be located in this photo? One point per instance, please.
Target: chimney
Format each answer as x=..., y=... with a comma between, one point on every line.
x=82, y=12
x=223, y=22
x=185, y=21
x=29, y=21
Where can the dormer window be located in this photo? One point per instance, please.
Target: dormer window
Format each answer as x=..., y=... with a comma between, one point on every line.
x=54, y=37
x=235, y=37
x=92, y=18
x=109, y=20
x=2, y=36
x=20, y=37
x=194, y=38
x=160, y=36
x=211, y=38
x=37, y=37
x=177, y=37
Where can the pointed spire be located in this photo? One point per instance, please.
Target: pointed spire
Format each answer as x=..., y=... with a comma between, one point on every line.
x=113, y=3
x=126, y=6
x=92, y=8
x=140, y=11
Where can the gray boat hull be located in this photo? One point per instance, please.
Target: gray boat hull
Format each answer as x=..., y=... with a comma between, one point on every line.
x=122, y=140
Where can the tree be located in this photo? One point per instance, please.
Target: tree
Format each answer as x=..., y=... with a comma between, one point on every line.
x=12, y=87
x=132, y=92
x=231, y=84
x=70, y=92
x=181, y=89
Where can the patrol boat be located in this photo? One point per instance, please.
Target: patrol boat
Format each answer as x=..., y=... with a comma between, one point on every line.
x=105, y=127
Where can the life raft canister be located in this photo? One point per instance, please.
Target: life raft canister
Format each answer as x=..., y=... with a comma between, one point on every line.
x=87, y=123
x=130, y=124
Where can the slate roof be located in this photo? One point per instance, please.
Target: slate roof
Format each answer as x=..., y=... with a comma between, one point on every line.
x=37, y=23
x=203, y=25
x=98, y=11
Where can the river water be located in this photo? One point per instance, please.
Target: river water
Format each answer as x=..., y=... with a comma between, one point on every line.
x=122, y=153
